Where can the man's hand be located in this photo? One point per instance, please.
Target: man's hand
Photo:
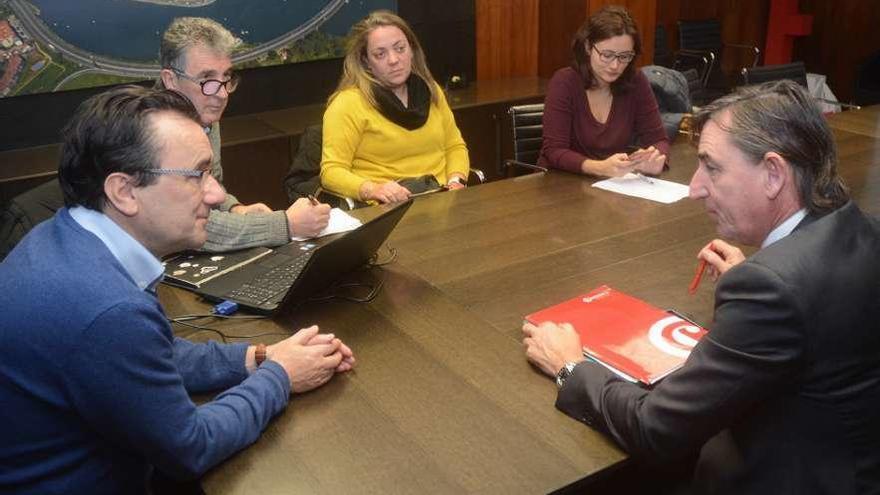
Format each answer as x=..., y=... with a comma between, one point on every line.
x=305, y=219
x=387, y=192
x=549, y=346
x=310, y=359
x=253, y=208
x=720, y=257
x=347, y=356
x=648, y=160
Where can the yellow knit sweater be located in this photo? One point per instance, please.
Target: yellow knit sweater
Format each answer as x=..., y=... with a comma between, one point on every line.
x=360, y=144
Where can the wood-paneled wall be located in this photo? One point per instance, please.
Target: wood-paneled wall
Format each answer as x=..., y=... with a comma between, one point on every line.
x=558, y=24
x=507, y=38
x=533, y=37
x=845, y=32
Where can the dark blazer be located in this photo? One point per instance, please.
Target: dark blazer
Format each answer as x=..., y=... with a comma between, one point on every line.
x=787, y=382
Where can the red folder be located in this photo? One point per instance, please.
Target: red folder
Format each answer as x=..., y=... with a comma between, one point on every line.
x=639, y=342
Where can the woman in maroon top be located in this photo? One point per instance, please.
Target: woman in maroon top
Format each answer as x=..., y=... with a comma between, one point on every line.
x=601, y=107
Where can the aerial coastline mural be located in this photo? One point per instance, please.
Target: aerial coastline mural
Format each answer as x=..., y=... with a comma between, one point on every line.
x=55, y=45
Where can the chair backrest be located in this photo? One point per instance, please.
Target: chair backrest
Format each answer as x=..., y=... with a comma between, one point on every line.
x=702, y=35
x=867, y=85
x=795, y=71
x=528, y=132
x=662, y=54
x=304, y=175
x=27, y=210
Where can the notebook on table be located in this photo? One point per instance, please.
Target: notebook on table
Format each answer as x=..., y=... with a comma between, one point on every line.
x=263, y=279
x=635, y=340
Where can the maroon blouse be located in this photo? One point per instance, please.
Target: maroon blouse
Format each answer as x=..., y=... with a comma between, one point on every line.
x=572, y=134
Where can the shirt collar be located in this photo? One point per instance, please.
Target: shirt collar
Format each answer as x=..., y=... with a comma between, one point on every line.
x=141, y=265
x=785, y=228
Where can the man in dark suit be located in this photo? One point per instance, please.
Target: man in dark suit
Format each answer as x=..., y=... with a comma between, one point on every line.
x=783, y=394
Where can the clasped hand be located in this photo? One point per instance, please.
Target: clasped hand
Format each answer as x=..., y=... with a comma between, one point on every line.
x=311, y=358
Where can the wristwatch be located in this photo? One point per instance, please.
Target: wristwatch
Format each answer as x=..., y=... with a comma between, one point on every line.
x=564, y=373
x=458, y=180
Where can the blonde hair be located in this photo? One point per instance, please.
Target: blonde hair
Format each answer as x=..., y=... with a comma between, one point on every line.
x=355, y=71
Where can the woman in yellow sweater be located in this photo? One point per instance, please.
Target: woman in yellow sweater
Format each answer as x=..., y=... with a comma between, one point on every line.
x=388, y=119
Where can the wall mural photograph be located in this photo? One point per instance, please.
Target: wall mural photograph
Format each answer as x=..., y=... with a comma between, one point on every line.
x=56, y=45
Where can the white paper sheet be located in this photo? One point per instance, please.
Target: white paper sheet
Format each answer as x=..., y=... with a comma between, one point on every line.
x=340, y=221
x=663, y=191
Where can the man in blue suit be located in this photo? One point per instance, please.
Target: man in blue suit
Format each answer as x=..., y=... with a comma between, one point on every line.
x=94, y=385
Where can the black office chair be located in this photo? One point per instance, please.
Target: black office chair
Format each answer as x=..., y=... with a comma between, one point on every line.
x=795, y=71
x=663, y=56
x=867, y=86
x=700, y=41
x=528, y=132
x=27, y=210
x=304, y=175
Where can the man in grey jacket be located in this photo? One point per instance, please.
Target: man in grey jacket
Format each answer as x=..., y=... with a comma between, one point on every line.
x=195, y=55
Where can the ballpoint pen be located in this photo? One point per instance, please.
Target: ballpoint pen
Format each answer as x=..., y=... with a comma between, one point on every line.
x=697, y=277
x=643, y=178
x=314, y=197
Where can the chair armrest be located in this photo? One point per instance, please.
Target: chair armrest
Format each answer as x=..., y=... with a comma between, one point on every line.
x=707, y=57
x=481, y=177
x=332, y=198
x=514, y=163
x=754, y=49
x=848, y=106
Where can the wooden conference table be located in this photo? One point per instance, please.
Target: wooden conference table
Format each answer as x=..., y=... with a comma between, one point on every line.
x=442, y=399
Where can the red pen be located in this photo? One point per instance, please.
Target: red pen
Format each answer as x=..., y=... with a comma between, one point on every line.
x=699, y=275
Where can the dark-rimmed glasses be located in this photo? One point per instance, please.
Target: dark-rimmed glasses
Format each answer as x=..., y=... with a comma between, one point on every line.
x=210, y=87
x=200, y=173
x=608, y=56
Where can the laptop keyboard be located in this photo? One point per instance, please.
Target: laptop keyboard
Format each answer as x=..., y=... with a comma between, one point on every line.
x=275, y=282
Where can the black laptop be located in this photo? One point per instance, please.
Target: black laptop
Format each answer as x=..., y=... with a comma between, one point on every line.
x=262, y=279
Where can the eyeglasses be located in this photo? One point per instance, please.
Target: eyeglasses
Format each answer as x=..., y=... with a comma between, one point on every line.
x=200, y=173
x=608, y=56
x=210, y=87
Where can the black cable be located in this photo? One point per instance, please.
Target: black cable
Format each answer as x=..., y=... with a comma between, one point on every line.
x=223, y=336
x=392, y=257
x=197, y=316
x=374, y=291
